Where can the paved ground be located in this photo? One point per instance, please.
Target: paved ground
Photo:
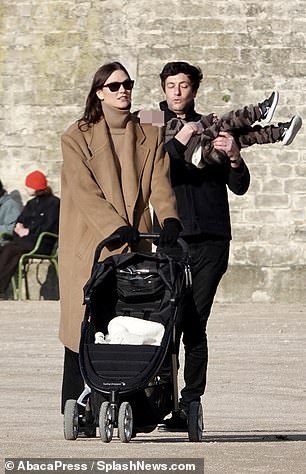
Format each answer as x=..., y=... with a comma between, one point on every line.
x=255, y=405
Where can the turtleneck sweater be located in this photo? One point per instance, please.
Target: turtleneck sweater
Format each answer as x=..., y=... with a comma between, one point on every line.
x=116, y=120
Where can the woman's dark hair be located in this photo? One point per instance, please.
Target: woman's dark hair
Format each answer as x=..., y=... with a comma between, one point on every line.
x=44, y=192
x=93, y=110
x=176, y=67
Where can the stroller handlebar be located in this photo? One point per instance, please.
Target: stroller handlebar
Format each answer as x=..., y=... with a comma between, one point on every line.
x=150, y=236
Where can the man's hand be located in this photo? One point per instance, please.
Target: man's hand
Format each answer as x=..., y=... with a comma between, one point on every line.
x=170, y=232
x=226, y=142
x=188, y=130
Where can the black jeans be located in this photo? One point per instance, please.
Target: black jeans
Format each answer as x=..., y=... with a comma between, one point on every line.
x=73, y=384
x=9, y=258
x=209, y=260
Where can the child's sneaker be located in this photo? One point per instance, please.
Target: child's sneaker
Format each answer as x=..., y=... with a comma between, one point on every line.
x=290, y=129
x=268, y=107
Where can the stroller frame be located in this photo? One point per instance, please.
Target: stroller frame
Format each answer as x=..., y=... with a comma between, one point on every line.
x=115, y=396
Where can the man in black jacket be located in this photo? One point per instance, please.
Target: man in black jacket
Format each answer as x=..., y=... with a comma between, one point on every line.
x=203, y=208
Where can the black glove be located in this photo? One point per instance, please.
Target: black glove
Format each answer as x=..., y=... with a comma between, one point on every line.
x=128, y=234
x=170, y=232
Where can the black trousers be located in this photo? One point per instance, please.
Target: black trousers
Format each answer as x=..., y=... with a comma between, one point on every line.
x=209, y=261
x=9, y=258
x=72, y=384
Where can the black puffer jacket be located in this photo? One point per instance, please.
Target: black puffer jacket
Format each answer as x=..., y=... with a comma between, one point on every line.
x=201, y=194
x=40, y=214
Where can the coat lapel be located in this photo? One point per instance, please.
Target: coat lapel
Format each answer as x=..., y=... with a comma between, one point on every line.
x=135, y=156
x=120, y=187
x=105, y=167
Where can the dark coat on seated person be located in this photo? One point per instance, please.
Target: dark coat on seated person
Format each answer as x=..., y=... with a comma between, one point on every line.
x=40, y=214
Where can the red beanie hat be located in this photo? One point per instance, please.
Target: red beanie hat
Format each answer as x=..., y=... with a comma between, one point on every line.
x=36, y=180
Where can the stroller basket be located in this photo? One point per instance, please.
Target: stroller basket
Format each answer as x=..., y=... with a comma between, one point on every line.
x=114, y=365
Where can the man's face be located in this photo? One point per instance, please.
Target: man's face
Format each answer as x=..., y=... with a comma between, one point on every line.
x=179, y=93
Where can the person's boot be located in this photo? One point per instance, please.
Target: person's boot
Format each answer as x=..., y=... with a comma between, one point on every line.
x=177, y=422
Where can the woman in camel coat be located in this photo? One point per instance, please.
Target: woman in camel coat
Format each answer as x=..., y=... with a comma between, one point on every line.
x=112, y=167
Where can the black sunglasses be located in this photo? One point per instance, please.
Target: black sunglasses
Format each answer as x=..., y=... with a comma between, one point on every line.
x=128, y=84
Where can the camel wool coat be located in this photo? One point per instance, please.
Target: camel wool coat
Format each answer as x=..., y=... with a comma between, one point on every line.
x=98, y=196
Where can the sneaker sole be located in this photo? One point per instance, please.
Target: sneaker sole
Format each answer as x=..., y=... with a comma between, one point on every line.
x=165, y=429
x=292, y=130
x=272, y=108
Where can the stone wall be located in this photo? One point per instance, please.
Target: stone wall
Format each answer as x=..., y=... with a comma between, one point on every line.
x=50, y=50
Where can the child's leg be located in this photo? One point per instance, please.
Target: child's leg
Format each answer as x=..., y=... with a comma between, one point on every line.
x=283, y=132
x=232, y=122
x=258, y=135
x=240, y=118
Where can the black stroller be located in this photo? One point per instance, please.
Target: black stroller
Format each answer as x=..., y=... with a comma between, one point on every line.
x=127, y=351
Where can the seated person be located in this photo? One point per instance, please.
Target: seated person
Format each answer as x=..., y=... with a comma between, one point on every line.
x=40, y=214
x=9, y=211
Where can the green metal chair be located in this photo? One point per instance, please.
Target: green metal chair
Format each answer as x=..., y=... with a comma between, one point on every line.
x=27, y=259
x=6, y=234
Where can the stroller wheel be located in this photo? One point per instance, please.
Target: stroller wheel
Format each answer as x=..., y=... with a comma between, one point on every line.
x=125, y=422
x=106, y=425
x=71, y=420
x=195, y=421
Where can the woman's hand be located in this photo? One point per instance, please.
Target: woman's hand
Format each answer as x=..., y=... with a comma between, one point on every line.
x=127, y=234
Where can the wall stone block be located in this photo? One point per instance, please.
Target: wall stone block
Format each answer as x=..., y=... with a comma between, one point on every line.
x=50, y=50
x=272, y=200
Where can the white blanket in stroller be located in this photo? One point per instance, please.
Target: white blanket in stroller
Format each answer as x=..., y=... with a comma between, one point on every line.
x=129, y=330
